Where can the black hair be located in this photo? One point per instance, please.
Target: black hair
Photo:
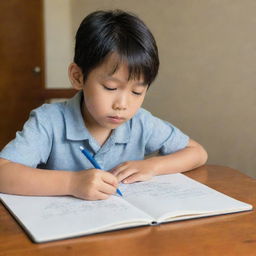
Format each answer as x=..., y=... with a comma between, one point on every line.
x=103, y=33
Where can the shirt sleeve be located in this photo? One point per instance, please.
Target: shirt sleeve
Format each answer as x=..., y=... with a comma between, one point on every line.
x=32, y=145
x=163, y=137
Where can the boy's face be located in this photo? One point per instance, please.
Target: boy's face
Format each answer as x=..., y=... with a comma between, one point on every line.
x=110, y=100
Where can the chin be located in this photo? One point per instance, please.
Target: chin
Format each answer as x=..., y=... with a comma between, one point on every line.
x=111, y=126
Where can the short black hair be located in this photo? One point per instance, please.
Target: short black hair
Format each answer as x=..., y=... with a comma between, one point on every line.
x=102, y=33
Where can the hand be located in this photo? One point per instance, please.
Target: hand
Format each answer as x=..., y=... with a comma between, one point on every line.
x=93, y=184
x=133, y=171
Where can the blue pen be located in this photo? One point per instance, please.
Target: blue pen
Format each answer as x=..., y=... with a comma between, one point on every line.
x=94, y=163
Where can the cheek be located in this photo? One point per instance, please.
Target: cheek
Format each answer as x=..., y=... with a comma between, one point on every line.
x=135, y=106
x=96, y=104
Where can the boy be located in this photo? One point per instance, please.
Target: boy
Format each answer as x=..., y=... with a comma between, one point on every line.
x=116, y=60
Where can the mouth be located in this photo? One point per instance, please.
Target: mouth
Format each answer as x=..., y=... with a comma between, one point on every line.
x=116, y=119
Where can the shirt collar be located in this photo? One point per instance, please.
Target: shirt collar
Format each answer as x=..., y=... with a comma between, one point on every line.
x=76, y=130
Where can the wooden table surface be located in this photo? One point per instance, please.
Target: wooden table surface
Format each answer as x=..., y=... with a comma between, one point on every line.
x=232, y=234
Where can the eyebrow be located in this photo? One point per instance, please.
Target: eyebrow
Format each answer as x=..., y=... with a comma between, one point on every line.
x=119, y=81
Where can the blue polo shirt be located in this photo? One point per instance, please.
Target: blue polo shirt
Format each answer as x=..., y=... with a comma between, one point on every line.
x=51, y=138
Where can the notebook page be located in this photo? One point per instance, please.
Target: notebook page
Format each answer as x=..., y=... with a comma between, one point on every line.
x=176, y=195
x=50, y=218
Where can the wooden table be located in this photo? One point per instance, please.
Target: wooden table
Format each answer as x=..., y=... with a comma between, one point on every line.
x=232, y=234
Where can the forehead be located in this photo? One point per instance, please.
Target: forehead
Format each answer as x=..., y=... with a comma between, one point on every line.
x=116, y=69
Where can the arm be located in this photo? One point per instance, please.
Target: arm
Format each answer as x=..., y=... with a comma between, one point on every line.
x=90, y=184
x=194, y=155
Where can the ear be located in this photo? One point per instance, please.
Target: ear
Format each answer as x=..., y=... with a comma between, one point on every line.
x=76, y=76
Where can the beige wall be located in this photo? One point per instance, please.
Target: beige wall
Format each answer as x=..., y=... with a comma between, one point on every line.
x=58, y=42
x=206, y=84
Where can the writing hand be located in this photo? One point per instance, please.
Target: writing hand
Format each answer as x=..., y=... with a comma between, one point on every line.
x=93, y=184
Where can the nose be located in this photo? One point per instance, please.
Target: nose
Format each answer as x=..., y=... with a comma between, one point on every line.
x=120, y=102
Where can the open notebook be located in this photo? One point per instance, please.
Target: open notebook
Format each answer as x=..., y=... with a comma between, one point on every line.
x=165, y=198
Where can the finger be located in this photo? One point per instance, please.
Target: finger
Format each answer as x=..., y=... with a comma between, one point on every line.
x=93, y=195
x=107, y=188
x=115, y=171
x=100, y=196
x=120, y=168
x=125, y=173
x=134, y=178
x=109, y=178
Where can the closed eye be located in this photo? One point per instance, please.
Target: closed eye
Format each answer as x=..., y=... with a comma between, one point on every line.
x=137, y=93
x=109, y=88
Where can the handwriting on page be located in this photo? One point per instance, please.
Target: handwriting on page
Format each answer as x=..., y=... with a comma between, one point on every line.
x=162, y=189
x=67, y=206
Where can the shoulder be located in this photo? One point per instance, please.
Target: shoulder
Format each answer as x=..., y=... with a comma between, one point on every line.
x=146, y=118
x=152, y=124
x=49, y=112
x=47, y=118
x=50, y=109
x=143, y=120
x=142, y=115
